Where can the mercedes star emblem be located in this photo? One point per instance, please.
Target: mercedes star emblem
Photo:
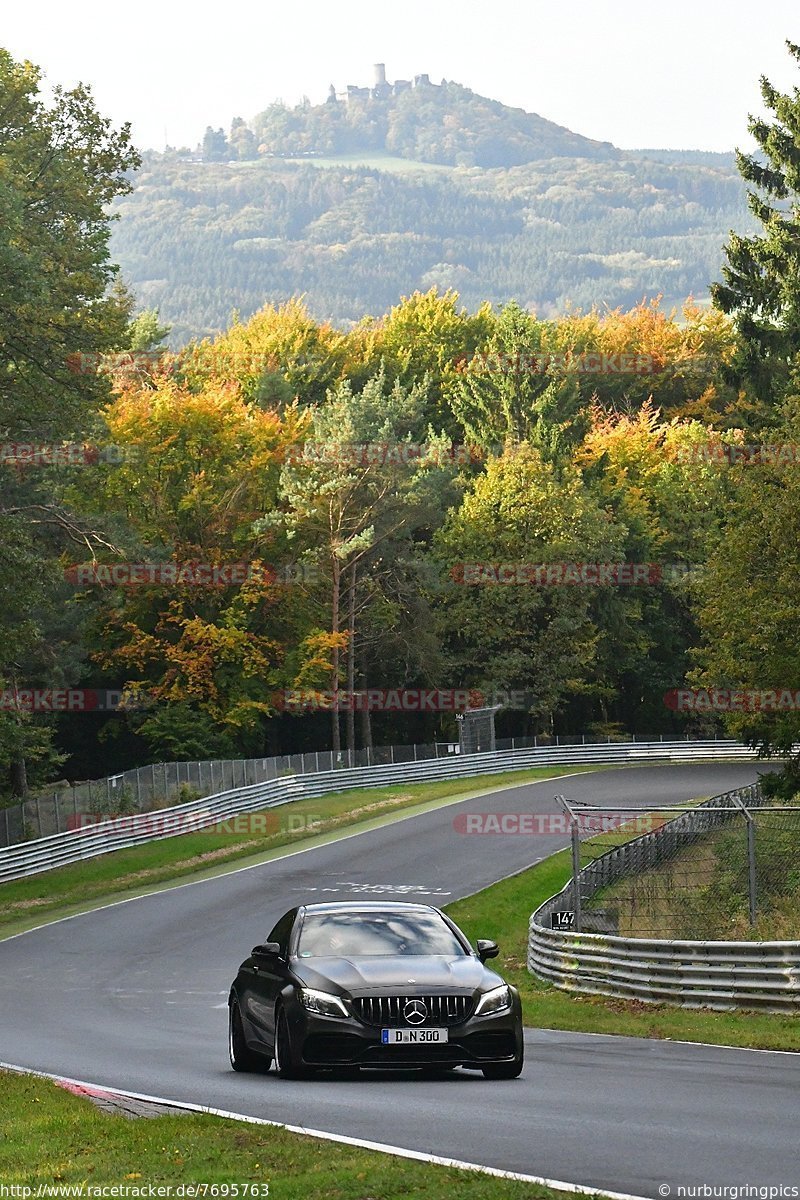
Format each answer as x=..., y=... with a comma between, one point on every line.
x=415, y=1012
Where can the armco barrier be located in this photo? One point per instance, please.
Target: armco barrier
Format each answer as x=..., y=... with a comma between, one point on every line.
x=719, y=975
x=42, y=854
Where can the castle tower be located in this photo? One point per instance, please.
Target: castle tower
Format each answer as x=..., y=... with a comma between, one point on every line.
x=379, y=71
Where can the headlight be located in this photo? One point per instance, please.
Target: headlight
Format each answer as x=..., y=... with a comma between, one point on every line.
x=494, y=1001
x=322, y=1003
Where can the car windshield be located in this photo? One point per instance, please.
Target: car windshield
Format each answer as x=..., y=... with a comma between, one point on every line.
x=356, y=935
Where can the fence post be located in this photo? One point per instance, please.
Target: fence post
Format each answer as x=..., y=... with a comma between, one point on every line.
x=751, y=864
x=576, y=871
x=752, y=886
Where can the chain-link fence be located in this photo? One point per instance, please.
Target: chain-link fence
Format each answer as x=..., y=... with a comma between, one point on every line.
x=162, y=785
x=722, y=870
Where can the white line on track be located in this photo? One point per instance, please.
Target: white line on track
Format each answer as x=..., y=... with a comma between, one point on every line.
x=342, y=1139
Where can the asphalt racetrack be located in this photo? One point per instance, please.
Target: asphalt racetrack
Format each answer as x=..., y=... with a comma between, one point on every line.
x=134, y=996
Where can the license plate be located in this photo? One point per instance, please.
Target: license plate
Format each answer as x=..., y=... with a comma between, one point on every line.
x=413, y=1037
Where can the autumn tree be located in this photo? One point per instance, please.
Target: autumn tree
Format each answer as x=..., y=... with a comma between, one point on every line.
x=528, y=637
x=665, y=483
x=196, y=470
x=359, y=487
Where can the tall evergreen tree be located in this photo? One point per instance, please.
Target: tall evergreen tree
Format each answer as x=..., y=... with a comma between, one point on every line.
x=761, y=288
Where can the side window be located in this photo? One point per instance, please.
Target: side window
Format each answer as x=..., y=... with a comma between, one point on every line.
x=282, y=932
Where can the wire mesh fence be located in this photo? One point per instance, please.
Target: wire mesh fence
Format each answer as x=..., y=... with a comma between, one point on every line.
x=722, y=870
x=162, y=785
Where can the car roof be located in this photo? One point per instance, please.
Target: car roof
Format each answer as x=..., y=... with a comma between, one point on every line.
x=333, y=906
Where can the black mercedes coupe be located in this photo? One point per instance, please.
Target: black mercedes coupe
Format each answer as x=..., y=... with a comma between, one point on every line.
x=349, y=985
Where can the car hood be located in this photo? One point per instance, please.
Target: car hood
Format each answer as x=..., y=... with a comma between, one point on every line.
x=373, y=975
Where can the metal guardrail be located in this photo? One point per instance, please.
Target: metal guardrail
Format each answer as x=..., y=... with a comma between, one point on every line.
x=714, y=974
x=43, y=854
x=163, y=785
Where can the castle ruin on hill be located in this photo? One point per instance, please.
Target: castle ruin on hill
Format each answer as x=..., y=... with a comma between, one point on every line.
x=380, y=88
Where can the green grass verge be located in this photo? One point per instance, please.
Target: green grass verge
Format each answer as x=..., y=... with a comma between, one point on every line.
x=25, y=903
x=501, y=912
x=51, y=1137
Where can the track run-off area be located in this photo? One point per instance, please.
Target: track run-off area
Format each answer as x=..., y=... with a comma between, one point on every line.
x=133, y=996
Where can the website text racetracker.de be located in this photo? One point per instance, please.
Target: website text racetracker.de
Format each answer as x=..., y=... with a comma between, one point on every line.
x=113, y=1191
x=528, y=824
x=65, y=700
x=380, y=700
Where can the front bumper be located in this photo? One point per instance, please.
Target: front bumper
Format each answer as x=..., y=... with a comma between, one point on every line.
x=347, y=1042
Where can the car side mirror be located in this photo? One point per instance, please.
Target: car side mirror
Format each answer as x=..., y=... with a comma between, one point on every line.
x=267, y=950
x=487, y=949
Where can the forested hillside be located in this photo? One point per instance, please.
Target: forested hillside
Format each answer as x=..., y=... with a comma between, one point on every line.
x=444, y=123
x=202, y=240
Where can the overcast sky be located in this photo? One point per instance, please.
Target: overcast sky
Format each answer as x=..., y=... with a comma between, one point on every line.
x=681, y=75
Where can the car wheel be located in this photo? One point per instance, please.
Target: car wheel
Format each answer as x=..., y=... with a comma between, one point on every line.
x=505, y=1070
x=242, y=1057
x=287, y=1061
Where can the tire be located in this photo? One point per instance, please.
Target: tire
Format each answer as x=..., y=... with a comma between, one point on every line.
x=505, y=1070
x=287, y=1061
x=241, y=1056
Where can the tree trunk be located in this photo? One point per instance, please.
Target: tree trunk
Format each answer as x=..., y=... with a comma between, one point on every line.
x=19, y=767
x=336, y=740
x=366, y=722
x=351, y=660
x=19, y=776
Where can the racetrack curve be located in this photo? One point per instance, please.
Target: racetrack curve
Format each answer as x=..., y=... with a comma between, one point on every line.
x=134, y=996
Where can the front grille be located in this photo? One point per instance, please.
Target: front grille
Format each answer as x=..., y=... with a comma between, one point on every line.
x=387, y=1011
